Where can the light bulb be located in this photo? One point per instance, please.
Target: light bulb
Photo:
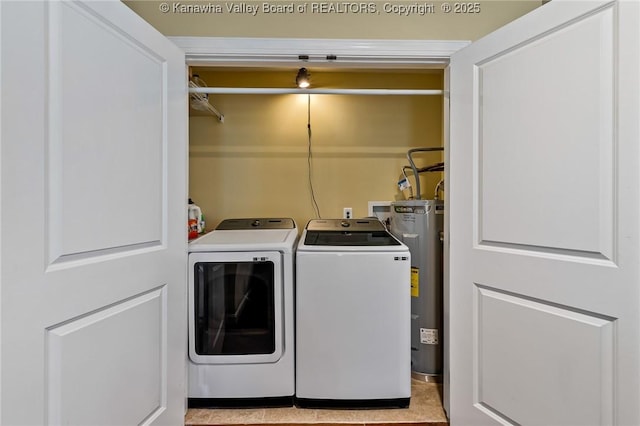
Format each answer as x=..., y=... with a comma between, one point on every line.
x=302, y=79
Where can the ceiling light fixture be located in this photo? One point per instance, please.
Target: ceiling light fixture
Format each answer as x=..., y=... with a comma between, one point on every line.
x=302, y=79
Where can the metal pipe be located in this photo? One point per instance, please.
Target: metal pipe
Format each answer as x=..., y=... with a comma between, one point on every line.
x=438, y=186
x=285, y=91
x=415, y=169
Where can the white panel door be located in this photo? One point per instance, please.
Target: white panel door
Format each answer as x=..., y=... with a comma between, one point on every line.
x=543, y=166
x=93, y=178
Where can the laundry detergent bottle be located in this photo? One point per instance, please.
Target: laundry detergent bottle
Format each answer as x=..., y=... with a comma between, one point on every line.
x=195, y=218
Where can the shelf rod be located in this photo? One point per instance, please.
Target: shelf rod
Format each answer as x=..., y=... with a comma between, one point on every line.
x=284, y=91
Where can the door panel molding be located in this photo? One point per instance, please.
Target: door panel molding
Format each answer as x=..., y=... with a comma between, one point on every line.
x=91, y=356
x=522, y=149
x=551, y=253
x=91, y=132
x=522, y=339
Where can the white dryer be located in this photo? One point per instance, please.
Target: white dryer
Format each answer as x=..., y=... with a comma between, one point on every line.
x=353, y=306
x=241, y=314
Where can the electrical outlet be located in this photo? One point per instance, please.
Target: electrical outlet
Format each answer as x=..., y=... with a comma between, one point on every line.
x=347, y=213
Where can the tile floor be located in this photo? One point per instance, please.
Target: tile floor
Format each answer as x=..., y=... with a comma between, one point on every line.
x=425, y=409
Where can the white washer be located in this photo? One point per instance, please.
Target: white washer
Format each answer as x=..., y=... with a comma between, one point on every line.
x=353, y=306
x=241, y=314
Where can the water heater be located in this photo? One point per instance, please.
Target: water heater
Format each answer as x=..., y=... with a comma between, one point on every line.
x=419, y=225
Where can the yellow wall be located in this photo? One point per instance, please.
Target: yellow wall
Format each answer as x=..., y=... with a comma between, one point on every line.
x=255, y=163
x=377, y=24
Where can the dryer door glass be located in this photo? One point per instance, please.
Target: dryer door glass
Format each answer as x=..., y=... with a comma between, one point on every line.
x=234, y=308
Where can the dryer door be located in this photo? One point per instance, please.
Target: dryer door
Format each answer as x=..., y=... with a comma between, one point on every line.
x=235, y=307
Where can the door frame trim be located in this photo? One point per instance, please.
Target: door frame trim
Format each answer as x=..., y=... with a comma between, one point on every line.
x=319, y=53
x=350, y=54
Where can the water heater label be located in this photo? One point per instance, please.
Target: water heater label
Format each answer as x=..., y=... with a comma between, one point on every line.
x=429, y=336
x=415, y=282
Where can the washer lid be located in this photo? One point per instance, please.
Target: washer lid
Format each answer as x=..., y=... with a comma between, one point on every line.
x=348, y=232
x=256, y=223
